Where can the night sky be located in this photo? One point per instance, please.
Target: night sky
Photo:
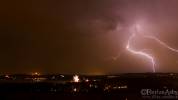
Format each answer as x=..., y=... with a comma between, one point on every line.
x=85, y=36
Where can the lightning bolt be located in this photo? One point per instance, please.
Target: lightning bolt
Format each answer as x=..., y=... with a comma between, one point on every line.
x=161, y=43
x=141, y=53
x=148, y=56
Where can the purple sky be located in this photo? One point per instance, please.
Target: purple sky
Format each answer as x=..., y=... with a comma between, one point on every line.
x=82, y=36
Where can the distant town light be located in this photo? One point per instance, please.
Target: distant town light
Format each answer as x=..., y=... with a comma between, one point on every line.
x=86, y=80
x=7, y=76
x=75, y=90
x=62, y=75
x=76, y=78
x=171, y=74
x=35, y=73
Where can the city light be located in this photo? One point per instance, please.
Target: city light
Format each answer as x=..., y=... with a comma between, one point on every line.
x=86, y=80
x=76, y=78
x=35, y=73
x=62, y=76
x=7, y=76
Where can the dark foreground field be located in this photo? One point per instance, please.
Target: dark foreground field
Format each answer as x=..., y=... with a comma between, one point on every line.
x=117, y=87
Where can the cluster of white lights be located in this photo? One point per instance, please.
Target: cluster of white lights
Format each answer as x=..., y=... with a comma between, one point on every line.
x=76, y=78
